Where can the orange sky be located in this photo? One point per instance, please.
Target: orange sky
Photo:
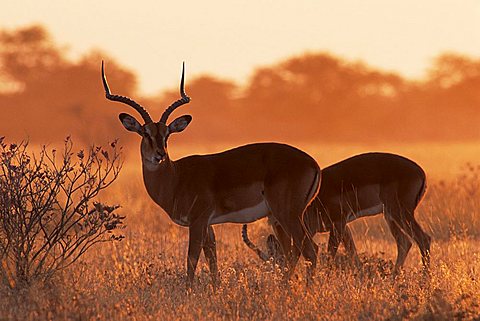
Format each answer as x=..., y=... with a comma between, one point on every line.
x=231, y=38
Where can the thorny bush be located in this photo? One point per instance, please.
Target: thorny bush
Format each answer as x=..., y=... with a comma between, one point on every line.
x=48, y=216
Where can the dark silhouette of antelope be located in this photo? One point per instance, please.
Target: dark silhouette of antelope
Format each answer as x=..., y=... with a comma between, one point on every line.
x=366, y=185
x=240, y=185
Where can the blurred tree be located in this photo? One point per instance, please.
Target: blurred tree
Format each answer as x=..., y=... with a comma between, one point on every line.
x=447, y=105
x=450, y=70
x=28, y=54
x=214, y=107
x=327, y=98
x=311, y=97
x=52, y=97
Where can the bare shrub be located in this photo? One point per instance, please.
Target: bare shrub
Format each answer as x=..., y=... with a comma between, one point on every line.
x=48, y=217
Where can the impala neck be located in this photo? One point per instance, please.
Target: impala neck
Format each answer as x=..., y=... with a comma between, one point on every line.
x=160, y=182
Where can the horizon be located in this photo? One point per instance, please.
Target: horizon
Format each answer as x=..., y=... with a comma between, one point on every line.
x=237, y=38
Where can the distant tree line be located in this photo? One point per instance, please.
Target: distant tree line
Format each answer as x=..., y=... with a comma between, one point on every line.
x=314, y=97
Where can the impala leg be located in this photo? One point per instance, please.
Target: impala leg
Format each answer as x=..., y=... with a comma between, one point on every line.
x=410, y=226
x=287, y=208
x=197, y=234
x=423, y=241
x=405, y=220
x=285, y=243
x=312, y=249
x=403, y=243
x=210, y=251
x=349, y=244
x=305, y=245
x=291, y=253
x=275, y=250
x=335, y=238
x=309, y=251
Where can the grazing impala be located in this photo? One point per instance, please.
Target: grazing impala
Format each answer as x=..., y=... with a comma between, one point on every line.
x=240, y=185
x=366, y=185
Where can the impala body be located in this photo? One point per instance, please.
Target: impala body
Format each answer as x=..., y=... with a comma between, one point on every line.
x=223, y=187
x=366, y=185
x=240, y=185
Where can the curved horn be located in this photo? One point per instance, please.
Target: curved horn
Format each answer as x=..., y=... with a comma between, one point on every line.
x=184, y=100
x=122, y=99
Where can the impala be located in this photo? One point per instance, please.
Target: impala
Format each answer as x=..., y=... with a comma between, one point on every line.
x=240, y=185
x=366, y=185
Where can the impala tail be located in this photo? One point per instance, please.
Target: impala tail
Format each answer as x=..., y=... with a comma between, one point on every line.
x=315, y=187
x=262, y=255
x=422, y=191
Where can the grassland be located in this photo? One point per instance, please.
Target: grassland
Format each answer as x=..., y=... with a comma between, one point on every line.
x=143, y=276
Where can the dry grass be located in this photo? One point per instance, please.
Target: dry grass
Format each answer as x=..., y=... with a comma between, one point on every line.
x=143, y=277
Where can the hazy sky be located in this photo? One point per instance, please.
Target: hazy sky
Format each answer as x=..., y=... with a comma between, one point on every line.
x=231, y=38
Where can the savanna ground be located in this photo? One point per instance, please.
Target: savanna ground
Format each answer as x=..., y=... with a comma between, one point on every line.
x=143, y=276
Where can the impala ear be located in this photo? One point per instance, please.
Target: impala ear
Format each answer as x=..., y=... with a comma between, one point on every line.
x=130, y=123
x=179, y=124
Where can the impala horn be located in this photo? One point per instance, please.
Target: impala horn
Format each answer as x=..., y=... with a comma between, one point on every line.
x=182, y=101
x=122, y=99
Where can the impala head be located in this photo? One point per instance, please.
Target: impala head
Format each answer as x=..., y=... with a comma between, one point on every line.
x=154, y=134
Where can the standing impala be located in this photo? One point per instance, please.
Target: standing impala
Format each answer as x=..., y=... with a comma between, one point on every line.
x=240, y=185
x=366, y=185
